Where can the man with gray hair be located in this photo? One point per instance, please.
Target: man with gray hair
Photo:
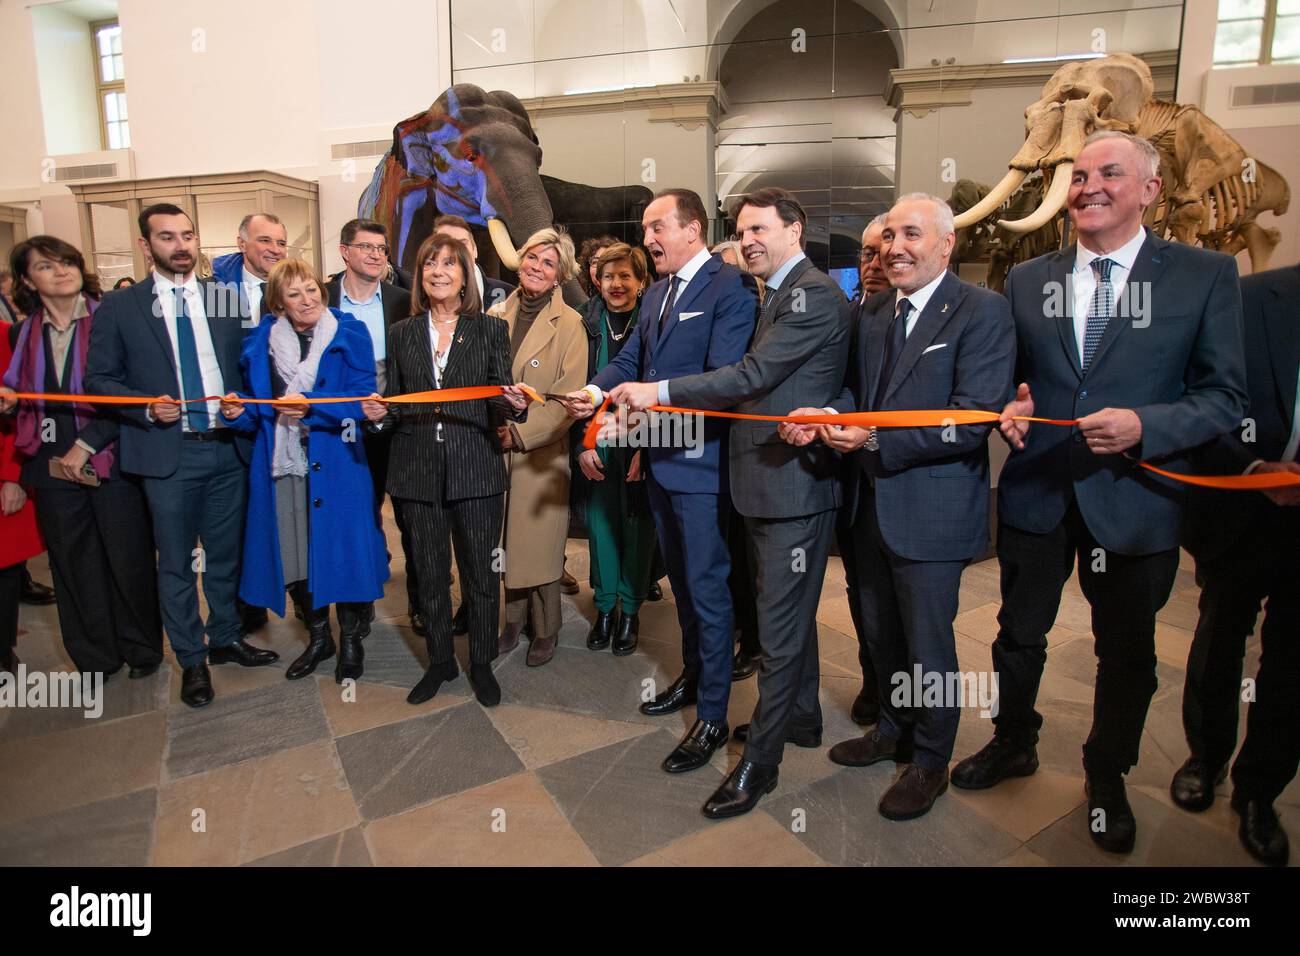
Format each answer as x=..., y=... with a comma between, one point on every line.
x=1139, y=341
x=918, y=496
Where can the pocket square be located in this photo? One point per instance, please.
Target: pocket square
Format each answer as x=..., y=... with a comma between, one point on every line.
x=933, y=347
x=683, y=316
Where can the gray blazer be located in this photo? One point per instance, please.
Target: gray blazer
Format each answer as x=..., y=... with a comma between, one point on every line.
x=1181, y=367
x=796, y=360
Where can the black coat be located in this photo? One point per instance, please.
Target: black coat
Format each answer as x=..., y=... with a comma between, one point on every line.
x=468, y=462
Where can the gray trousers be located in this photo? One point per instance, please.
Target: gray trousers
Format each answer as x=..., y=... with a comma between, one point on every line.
x=789, y=560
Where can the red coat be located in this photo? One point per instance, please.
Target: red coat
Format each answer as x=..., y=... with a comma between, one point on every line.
x=20, y=539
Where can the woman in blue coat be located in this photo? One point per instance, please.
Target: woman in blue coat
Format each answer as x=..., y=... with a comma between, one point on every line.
x=311, y=519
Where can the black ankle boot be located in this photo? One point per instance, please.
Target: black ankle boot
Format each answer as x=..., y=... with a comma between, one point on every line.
x=625, y=635
x=602, y=630
x=433, y=679
x=320, y=642
x=353, y=626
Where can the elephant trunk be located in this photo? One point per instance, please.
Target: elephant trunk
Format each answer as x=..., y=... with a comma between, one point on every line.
x=527, y=213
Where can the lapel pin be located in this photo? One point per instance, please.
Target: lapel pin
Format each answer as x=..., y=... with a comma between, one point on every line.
x=534, y=363
x=944, y=309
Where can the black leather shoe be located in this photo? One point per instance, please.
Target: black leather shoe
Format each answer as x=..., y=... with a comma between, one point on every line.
x=799, y=736
x=196, y=686
x=741, y=791
x=870, y=748
x=699, y=744
x=1110, y=819
x=486, y=689
x=460, y=620
x=1000, y=758
x=866, y=708
x=626, y=635
x=1193, y=785
x=679, y=693
x=33, y=592
x=1261, y=833
x=654, y=592
x=243, y=654
x=418, y=624
x=433, y=678
x=743, y=665
x=602, y=629
x=143, y=671
x=913, y=793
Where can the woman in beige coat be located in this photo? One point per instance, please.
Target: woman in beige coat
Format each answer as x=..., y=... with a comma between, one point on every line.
x=548, y=351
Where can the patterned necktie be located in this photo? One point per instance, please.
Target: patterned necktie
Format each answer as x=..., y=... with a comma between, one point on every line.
x=191, y=376
x=668, y=304
x=893, y=349
x=1100, y=310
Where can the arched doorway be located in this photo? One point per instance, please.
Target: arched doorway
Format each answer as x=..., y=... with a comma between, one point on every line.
x=803, y=88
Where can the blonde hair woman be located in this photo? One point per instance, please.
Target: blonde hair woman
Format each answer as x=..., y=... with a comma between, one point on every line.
x=548, y=351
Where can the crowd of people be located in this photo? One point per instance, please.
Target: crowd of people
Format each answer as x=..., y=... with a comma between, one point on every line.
x=274, y=427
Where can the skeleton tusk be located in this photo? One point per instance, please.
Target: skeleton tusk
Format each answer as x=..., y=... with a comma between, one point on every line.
x=1050, y=205
x=996, y=197
x=500, y=236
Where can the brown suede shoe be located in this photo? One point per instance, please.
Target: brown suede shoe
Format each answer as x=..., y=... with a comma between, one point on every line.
x=868, y=749
x=541, y=650
x=914, y=793
x=509, y=639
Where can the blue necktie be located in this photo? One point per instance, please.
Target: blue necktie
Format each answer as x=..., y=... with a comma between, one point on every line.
x=1100, y=310
x=191, y=376
x=668, y=304
x=893, y=349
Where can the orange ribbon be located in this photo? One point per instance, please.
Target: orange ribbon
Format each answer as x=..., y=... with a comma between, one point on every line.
x=929, y=418
x=944, y=417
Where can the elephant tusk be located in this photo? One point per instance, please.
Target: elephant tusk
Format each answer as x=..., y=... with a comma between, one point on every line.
x=996, y=197
x=1050, y=205
x=501, y=242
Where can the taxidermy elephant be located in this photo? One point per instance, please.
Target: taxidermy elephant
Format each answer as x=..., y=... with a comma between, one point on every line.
x=1211, y=191
x=474, y=154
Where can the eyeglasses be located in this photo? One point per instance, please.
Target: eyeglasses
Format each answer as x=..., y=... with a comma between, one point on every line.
x=369, y=248
x=867, y=255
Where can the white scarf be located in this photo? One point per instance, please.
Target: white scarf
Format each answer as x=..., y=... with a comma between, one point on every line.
x=299, y=376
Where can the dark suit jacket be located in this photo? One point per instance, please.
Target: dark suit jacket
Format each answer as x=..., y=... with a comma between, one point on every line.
x=932, y=484
x=796, y=360
x=1181, y=368
x=495, y=292
x=1271, y=308
x=397, y=306
x=474, y=464
x=131, y=354
x=710, y=326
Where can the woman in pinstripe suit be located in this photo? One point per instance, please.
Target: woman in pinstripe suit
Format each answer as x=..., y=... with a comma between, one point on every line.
x=446, y=467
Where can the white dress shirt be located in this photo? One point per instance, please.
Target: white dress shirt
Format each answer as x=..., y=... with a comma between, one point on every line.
x=919, y=299
x=253, y=289
x=1084, y=280
x=209, y=367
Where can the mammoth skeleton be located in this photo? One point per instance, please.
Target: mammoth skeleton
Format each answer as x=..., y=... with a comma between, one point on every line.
x=1211, y=191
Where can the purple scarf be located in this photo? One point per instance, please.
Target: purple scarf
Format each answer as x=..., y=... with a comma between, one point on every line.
x=27, y=374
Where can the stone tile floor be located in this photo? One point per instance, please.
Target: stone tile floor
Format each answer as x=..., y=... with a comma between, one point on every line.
x=565, y=771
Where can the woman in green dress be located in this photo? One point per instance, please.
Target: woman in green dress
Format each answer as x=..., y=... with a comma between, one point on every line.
x=620, y=529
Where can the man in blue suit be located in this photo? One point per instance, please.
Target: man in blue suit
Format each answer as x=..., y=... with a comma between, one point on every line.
x=921, y=494
x=175, y=335
x=697, y=318
x=1140, y=341
x=263, y=242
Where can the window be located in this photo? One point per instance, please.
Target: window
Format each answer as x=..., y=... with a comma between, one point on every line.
x=1253, y=32
x=110, y=84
